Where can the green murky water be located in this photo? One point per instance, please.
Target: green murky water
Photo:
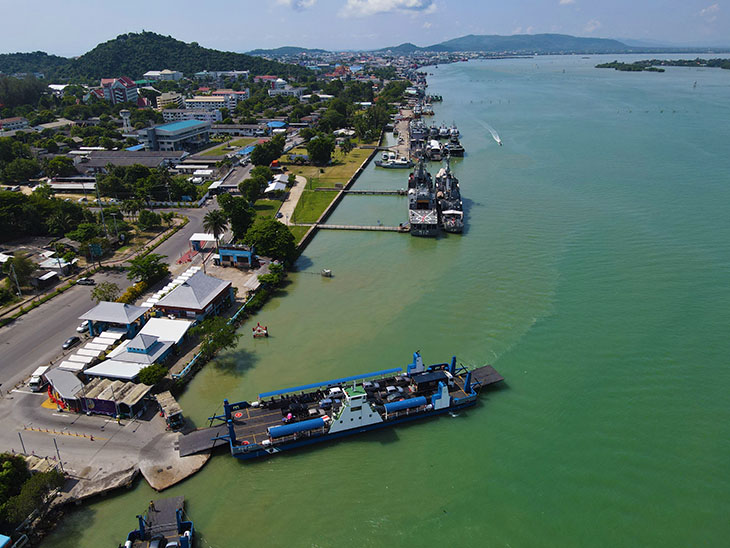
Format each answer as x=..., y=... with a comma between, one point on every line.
x=593, y=275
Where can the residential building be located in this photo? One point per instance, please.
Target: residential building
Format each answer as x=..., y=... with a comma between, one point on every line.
x=265, y=78
x=175, y=115
x=170, y=98
x=182, y=135
x=206, y=102
x=167, y=74
x=237, y=255
x=13, y=124
x=198, y=297
x=119, y=90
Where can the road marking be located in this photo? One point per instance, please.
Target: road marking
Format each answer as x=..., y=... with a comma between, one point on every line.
x=19, y=391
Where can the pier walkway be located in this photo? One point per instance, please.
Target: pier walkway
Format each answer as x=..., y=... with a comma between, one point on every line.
x=399, y=192
x=377, y=228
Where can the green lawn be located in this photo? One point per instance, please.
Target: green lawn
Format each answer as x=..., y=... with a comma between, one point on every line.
x=266, y=209
x=221, y=150
x=340, y=171
x=298, y=232
x=311, y=205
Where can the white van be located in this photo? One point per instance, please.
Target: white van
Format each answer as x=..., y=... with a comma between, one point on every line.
x=38, y=379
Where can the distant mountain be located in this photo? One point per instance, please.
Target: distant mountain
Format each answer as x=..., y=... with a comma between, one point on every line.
x=521, y=43
x=285, y=50
x=404, y=48
x=134, y=54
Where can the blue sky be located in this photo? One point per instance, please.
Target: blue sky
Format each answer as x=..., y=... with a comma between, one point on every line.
x=71, y=27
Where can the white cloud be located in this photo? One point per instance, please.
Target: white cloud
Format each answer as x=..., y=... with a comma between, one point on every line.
x=710, y=12
x=566, y=2
x=297, y=4
x=593, y=24
x=364, y=8
x=427, y=25
x=529, y=30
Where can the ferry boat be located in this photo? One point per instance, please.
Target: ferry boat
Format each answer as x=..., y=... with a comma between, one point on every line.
x=422, y=213
x=450, y=207
x=293, y=417
x=454, y=147
x=162, y=526
x=390, y=160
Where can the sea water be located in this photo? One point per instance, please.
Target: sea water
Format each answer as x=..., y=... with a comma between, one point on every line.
x=593, y=274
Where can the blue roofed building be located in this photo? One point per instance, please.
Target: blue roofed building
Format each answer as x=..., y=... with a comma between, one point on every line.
x=182, y=135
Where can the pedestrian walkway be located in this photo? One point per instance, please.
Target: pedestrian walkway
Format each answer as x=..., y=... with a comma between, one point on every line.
x=287, y=208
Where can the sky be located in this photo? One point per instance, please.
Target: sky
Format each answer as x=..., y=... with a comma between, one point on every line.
x=72, y=27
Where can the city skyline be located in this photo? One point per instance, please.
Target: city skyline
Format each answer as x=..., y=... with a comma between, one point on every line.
x=76, y=26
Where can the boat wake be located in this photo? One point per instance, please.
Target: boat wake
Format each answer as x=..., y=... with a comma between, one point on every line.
x=494, y=133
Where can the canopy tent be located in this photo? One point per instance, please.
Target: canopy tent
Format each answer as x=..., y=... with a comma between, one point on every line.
x=74, y=367
x=81, y=359
x=97, y=347
x=114, y=369
x=88, y=352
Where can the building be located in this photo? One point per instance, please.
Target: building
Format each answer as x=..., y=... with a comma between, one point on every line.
x=232, y=97
x=265, y=78
x=170, y=98
x=287, y=91
x=237, y=255
x=13, y=124
x=167, y=74
x=216, y=74
x=240, y=130
x=119, y=90
x=106, y=315
x=182, y=135
x=97, y=162
x=198, y=297
x=206, y=102
x=178, y=114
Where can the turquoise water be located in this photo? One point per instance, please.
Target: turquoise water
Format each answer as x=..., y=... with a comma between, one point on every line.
x=593, y=275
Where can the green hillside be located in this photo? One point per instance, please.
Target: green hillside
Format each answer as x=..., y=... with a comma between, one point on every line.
x=285, y=50
x=531, y=43
x=134, y=54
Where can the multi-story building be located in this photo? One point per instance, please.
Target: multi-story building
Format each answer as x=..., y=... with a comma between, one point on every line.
x=13, y=124
x=216, y=74
x=175, y=115
x=166, y=74
x=169, y=98
x=232, y=97
x=206, y=102
x=182, y=135
x=119, y=90
x=287, y=91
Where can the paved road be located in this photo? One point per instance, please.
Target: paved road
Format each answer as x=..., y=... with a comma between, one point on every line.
x=36, y=338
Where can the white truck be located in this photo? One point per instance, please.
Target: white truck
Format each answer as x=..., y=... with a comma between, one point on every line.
x=38, y=379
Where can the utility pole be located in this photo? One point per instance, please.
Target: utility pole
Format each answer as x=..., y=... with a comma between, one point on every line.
x=22, y=444
x=101, y=207
x=57, y=454
x=15, y=277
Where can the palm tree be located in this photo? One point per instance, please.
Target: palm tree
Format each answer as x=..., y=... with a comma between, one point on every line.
x=215, y=222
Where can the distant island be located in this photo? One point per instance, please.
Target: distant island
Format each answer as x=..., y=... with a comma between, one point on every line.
x=652, y=65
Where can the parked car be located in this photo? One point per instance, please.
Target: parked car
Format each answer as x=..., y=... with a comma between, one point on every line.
x=85, y=281
x=82, y=200
x=84, y=327
x=71, y=341
x=279, y=215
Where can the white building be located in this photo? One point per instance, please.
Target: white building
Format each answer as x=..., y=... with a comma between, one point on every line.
x=175, y=115
x=287, y=91
x=205, y=102
x=171, y=75
x=182, y=135
x=215, y=74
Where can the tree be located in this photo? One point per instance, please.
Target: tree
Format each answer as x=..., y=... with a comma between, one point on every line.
x=60, y=166
x=152, y=374
x=320, y=149
x=147, y=268
x=216, y=334
x=105, y=291
x=265, y=153
x=167, y=217
x=22, y=266
x=346, y=147
x=20, y=170
x=264, y=172
x=215, y=222
x=240, y=214
x=251, y=188
x=148, y=219
x=272, y=239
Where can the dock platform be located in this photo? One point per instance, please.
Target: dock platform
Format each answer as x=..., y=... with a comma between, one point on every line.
x=199, y=441
x=377, y=228
x=161, y=521
x=400, y=192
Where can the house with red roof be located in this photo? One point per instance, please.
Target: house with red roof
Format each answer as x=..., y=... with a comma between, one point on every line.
x=119, y=90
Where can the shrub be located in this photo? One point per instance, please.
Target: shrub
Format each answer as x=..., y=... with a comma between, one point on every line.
x=152, y=374
x=133, y=293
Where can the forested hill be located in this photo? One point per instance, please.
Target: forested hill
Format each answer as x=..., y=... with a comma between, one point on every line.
x=134, y=54
x=285, y=50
